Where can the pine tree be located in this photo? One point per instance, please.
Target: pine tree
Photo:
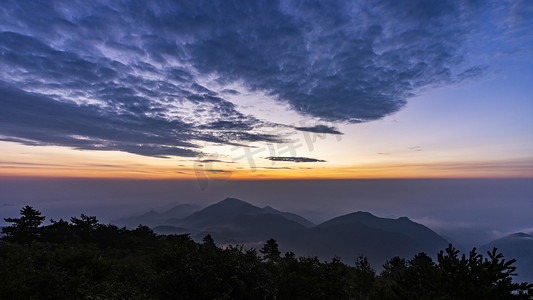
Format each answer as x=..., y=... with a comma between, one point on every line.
x=208, y=241
x=365, y=277
x=270, y=251
x=85, y=222
x=24, y=229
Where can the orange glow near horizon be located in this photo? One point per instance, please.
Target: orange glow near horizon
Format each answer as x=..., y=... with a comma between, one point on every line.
x=50, y=161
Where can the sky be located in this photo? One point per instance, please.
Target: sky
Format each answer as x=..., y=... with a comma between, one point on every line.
x=210, y=91
x=267, y=89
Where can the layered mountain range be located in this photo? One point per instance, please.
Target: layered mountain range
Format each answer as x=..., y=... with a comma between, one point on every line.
x=233, y=221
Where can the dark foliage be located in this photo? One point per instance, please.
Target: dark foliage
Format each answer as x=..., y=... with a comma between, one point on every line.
x=83, y=259
x=25, y=228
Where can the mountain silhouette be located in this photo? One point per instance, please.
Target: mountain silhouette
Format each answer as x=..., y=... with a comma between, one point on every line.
x=362, y=233
x=154, y=218
x=401, y=225
x=236, y=221
x=219, y=213
x=253, y=229
x=233, y=221
x=230, y=208
x=289, y=216
x=518, y=246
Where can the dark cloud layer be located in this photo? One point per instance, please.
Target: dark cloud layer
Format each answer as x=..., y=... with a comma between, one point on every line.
x=293, y=159
x=35, y=119
x=215, y=161
x=152, y=78
x=320, y=129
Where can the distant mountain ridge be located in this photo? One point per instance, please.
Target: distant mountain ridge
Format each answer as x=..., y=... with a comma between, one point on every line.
x=154, y=218
x=362, y=233
x=230, y=208
x=233, y=221
x=400, y=225
x=518, y=246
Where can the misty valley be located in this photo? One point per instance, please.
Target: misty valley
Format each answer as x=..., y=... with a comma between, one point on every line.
x=235, y=250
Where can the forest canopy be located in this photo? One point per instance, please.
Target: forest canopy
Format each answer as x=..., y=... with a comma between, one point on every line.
x=84, y=259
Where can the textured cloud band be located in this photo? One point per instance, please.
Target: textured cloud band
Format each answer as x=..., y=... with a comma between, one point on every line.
x=293, y=159
x=151, y=78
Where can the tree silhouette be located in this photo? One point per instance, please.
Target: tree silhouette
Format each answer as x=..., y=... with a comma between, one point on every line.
x=25, y=228
x=394, y=268
x=87, y=260
x=85, y=222
x=365, y=277
x=271, y=251
x=209, y=242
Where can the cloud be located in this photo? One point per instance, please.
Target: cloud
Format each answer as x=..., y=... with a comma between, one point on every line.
x=36, y=119
x=218, y=171
x=340, y=61
x=293, y=159
x=157, y=83
x=320, y=129
x=216, y=160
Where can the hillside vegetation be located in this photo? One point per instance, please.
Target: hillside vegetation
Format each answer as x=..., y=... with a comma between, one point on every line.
x=83, y=259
